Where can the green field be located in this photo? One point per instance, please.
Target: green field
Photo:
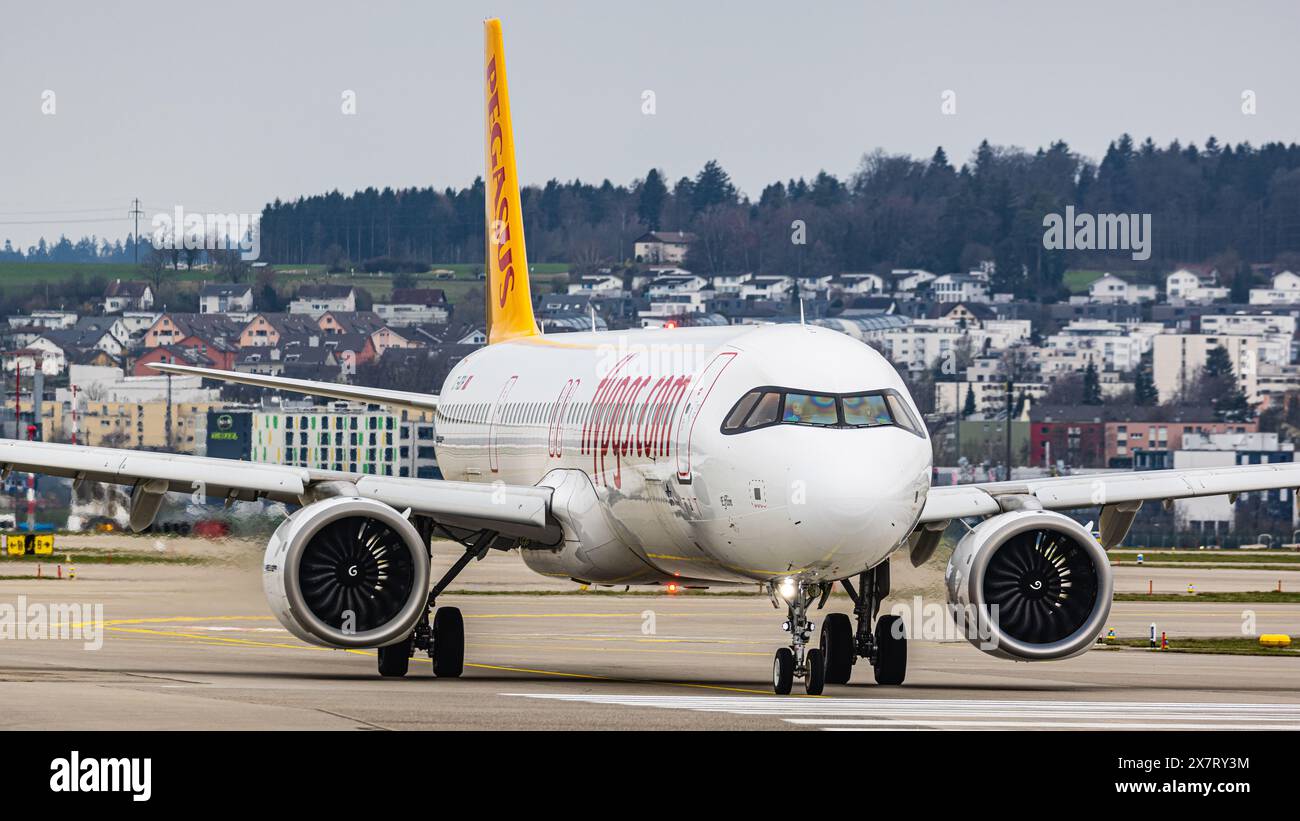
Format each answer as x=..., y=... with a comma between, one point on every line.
x=1077, y=281
x=29, y=275
x=380, y=285
x=1215, y=646
x=35, y=273
x=1156, y=557
x=107, y=557
x=1243, y=597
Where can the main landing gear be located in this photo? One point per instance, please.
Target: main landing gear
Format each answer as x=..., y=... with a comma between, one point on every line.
x=443, y=636
x=885, y=646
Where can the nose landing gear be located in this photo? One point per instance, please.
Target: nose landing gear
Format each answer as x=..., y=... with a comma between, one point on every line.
x=881, y=641
x=798, y=660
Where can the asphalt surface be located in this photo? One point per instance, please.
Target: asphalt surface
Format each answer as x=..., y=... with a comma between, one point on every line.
x=196, y=647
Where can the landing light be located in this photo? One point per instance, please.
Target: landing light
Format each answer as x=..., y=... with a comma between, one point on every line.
x=787, y=589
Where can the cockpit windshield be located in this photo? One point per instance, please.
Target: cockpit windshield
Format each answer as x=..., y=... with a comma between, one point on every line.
x=762, y=407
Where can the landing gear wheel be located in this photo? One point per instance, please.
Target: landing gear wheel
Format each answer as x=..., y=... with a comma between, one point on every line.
x=891, y=650
x=838, y=648
x=814, y=680
x=783, y=671
x=395, y=659
x=448, y=652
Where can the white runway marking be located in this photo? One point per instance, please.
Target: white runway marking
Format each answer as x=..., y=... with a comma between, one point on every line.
x=969, y=714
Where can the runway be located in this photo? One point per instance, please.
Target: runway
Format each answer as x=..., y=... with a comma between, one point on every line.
x=195, y=647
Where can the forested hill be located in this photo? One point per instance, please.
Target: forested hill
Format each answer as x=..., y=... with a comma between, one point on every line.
x=1232, y=205
x=897, y=211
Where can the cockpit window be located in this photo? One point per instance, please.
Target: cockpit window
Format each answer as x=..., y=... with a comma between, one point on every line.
x=737, y=416
x=765, y=412
x=810, y=409
x=866, y=410
x=902, y=415
x=772, y=406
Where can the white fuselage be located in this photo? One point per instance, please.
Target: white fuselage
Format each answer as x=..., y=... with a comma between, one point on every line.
x=640, y=415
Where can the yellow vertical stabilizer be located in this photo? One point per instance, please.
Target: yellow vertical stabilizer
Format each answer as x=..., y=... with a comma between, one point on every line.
x=509, y=301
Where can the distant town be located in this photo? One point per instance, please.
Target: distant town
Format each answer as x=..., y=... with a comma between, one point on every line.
x=1124, y=375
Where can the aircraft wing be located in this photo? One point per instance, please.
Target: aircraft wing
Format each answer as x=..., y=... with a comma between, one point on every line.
x=515, y=510
x=332, y=390
x=1121, y=488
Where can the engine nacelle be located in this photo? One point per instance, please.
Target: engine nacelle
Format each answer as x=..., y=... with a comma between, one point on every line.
x=1037, y=584
x=347, y=572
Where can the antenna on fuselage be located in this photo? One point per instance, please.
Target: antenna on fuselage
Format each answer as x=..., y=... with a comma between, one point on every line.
x=801, y=322
x=593, y=316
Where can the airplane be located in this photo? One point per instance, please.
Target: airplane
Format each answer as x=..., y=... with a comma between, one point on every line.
x=786, y=456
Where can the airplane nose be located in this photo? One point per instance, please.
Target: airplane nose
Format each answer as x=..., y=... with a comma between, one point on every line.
x=863, y=492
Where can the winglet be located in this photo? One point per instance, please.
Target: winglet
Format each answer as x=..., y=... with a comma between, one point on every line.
x=508, y=299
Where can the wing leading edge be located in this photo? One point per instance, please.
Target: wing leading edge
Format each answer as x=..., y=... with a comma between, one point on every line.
x=515, y=510
x=331, y=390
x=1102, y=489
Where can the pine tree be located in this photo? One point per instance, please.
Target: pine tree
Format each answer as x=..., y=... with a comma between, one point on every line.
x=650, y=203
x=1218, y=363
x=712, y=187
x=1241, y=284
x=1144, y=386
x=969, y=407
x=1091, y=386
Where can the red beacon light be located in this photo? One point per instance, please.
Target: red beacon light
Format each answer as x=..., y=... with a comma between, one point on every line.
x=670, y=324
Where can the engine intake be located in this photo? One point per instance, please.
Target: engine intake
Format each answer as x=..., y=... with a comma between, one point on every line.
x=347, y=572
x=1037, y=583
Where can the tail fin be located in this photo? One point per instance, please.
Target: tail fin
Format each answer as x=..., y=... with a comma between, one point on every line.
x=509, y=302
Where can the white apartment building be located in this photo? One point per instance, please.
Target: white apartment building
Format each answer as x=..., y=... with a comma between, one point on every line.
x=1202, y=450
x=1184, y=287
x=344, y=436
x=674, y=284
x=1120, y=346
x=598, y=285
x=959, y=288
x=1179, y=358
x=1112, y=289
x=1285, y=290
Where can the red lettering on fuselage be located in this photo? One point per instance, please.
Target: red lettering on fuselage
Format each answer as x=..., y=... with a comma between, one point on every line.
x=620, y=424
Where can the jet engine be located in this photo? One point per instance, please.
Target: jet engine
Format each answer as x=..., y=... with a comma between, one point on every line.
x=1034, y=584
x=347, y=572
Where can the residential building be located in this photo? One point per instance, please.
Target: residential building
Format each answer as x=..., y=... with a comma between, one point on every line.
x=959, y=288
x=265, y=330
x=122, y=296
x=1285, y=290
x=225, y=298
x=344, y=436
x=1112, y=289
x=1187, y=286
x=603, y=285
x=47, y=320
x=1178, y=360
x=132, y=424
x=1214, y=516
x=315, y=300
x=657, y=247
x=414, y=306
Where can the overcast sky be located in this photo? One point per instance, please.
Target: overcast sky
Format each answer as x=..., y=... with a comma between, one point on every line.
x=225, y=106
